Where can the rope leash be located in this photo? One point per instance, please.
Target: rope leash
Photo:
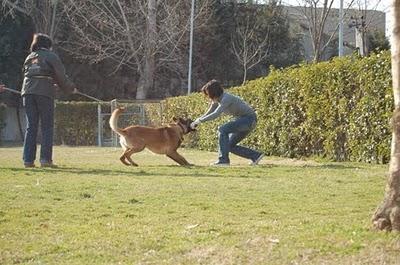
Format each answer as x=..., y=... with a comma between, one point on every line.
x=78, y=93
x=86, y=95
x=12, y=90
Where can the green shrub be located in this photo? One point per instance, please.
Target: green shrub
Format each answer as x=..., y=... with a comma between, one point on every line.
x=339, y=110
x=75, y=123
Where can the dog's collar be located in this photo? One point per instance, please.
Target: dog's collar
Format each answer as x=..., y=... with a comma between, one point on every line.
x=183, y=128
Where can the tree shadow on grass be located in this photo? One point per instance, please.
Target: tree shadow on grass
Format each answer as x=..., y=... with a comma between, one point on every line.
x=192, y=171
x=296, y=165
x=332, y=166
x=235, y=171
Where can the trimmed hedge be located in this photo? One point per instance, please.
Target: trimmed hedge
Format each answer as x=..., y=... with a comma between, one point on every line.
x=75, y=123
x=338, y=110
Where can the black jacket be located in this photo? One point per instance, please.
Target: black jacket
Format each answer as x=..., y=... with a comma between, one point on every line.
x=42, y=69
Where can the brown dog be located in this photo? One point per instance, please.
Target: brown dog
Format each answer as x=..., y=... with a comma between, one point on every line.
x=163, y=140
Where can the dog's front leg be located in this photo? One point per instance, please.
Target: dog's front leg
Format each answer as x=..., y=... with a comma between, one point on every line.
x=178, y=158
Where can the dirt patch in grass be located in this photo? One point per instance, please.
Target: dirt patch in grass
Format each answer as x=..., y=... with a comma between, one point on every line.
x=256, y=250
x=372, y=255
x=211, y=255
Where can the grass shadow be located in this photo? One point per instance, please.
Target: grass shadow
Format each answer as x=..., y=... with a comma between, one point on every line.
x=192, y=171
x=331, y=166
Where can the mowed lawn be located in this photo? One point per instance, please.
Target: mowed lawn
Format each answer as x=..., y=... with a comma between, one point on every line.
x=94, y=210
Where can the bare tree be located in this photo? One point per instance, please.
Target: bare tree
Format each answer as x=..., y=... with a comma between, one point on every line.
x=316, y=14
x=249, y=50
x=387, y=215
x=317, y=19
x=362, y=20
x=141, y=35
x=146, y=80
x=46, y=14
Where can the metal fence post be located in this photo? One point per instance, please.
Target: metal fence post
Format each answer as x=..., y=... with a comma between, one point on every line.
x=99, y=125
x=143, y=114
x=114, y=136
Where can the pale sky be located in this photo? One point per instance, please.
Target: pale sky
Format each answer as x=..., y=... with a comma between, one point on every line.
x=382, y=5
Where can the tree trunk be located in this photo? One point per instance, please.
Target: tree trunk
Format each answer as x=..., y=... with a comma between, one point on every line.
x=146, y=80
x=244, y=74
x=317, y=46
x=387, y=215
x=52, y=30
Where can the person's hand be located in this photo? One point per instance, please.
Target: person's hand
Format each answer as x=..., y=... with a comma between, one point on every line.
x=2, y=88
x=194, y=124
x=75, y=91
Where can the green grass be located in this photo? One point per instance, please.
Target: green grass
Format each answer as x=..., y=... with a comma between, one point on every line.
x=94, y=210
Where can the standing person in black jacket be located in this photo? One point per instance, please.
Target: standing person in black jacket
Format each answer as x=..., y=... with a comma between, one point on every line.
x=42, y=70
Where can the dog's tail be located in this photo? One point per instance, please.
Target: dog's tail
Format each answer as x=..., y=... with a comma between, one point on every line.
x=114, y=121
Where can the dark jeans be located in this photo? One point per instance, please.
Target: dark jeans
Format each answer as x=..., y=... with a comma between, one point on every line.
x=231, y=133
x=38, y=108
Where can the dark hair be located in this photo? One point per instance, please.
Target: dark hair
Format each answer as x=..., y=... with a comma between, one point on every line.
x=39, y=41
x=213, y=89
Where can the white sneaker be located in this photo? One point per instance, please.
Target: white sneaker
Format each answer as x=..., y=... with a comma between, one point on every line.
x=219, y=164
x=255, y=162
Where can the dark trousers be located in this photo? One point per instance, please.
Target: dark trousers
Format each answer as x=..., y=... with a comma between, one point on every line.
x=38, y=108
x=231, y=133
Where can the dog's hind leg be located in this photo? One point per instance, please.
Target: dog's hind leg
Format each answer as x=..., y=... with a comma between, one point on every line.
x=128, y=153
x=178, y=158
x=126, y=148
x=123, y=159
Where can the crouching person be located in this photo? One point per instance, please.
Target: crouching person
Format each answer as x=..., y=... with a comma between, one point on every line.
x=231, y=133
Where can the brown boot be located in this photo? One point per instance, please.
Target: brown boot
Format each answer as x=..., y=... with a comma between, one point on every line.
x=29, y=165
x=48, y=164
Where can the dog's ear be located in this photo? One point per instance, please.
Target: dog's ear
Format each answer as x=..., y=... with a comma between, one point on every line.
x=179, y=120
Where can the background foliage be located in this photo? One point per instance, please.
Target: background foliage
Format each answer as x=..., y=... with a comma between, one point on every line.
x=2, y=117
x=338, y=110
x=212, y=54
x=15, y=36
